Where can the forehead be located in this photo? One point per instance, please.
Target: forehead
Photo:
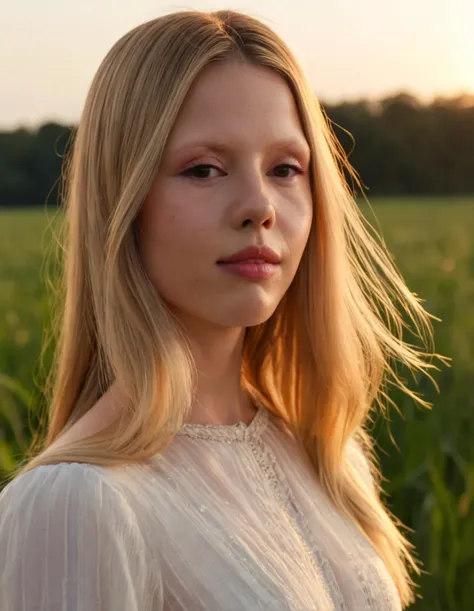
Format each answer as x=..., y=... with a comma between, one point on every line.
x=238, y=101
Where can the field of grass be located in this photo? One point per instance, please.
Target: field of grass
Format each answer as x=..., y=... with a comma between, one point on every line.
x=430, y=477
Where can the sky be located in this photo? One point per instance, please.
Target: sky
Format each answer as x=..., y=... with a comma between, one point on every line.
x=349, y=49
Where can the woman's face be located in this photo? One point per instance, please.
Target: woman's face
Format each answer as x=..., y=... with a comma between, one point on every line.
x=239, y=125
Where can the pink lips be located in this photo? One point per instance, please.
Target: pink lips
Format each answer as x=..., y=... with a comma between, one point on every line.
x=253, y=262
x=254, y=269
x=258, y=253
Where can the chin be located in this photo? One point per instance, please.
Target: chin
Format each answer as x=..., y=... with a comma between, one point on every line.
x=246, y=316
x=250, y=310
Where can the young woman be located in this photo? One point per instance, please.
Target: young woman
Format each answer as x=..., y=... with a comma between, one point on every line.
x=229, y=324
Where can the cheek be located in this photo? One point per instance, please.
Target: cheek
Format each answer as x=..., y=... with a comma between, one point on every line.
x=174, y=231
x=170, y=220
x=190, y=208
x=298, y=225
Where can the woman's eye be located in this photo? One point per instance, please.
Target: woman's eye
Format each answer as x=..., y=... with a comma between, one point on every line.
x=199, y=171
x=290, y=166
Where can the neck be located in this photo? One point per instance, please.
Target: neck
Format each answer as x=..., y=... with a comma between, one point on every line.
x=220, y=398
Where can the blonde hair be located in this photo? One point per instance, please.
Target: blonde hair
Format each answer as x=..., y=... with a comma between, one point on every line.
x=321, y=362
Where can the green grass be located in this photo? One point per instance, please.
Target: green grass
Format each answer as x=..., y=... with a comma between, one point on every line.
x=24, y=315
x=430, y=478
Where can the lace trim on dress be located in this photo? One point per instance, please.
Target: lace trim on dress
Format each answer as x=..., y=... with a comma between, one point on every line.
x=229, y=433
x=375, y=585
x=277, y=478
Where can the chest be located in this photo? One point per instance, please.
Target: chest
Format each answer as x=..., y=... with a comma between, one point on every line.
x=247, y=538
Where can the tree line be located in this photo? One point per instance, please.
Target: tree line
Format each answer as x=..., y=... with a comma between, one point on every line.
x=398, y=145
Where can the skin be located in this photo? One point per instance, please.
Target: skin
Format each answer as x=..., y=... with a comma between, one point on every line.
x=194, y=217
x=190, y=221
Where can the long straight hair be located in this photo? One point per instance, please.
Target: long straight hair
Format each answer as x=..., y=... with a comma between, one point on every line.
x=322, y=361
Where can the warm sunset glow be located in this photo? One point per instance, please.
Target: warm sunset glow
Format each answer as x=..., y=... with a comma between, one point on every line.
x=348, y=49
x=467, y=55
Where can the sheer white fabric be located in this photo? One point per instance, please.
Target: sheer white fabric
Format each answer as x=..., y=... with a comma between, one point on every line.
x=228, y=518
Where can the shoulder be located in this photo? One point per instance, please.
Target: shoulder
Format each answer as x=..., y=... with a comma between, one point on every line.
x=68, y=535
x=65, y=505
x=62, y=494
x=52, y=483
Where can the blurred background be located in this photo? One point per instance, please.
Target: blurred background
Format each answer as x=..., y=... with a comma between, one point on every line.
x=397, y=80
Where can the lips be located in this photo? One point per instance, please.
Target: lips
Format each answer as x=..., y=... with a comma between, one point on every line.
x=254, y=269
x=256, y=254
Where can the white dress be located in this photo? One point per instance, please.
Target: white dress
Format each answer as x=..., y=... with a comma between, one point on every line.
x=227, y=518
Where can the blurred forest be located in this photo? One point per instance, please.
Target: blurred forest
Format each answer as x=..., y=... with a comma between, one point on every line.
x=398, y=145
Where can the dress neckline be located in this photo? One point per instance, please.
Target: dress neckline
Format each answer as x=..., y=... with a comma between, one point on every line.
x=239, y=431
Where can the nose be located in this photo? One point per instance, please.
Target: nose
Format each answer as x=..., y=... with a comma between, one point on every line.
x=254, y=204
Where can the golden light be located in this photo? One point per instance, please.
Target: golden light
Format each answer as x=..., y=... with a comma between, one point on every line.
x=465, y=47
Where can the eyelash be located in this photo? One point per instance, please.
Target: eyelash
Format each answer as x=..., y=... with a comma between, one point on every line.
x=189, y=171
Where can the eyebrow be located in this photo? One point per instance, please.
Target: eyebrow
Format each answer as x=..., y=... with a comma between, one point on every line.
x=296, y=145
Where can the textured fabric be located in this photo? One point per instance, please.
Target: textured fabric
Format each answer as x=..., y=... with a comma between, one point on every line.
x=227, y=518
